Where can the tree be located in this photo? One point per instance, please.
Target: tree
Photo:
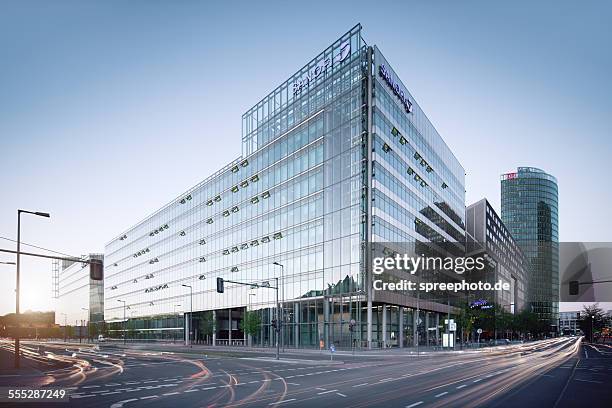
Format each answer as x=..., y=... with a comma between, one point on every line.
x=592, y=321
x=251, y=323
x=205, y=324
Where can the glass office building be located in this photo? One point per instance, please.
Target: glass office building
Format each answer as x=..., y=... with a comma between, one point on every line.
x=529, y=209
x=80, y=299
x=338, y=156
x=488, y=236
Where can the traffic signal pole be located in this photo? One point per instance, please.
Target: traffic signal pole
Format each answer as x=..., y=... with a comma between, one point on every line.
x=277, y=323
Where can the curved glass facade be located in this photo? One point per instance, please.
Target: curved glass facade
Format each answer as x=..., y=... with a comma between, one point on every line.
x=530, y=210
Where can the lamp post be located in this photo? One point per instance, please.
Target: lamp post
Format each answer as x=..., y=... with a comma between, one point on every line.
x=248, y=311
x=175, y=324
x=65, y=325
x=282, y=307
x=19, y=212
x=124, y=321
x=190, y=313
x=87, y=320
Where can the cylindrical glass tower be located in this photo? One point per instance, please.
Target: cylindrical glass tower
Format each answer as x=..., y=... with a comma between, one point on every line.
x=529, y=209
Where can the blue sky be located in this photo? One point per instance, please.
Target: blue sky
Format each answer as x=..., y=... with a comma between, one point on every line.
x=109, y=109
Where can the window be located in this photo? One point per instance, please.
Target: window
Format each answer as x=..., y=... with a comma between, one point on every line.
x=394, y=131
x=209, y=202
x=244, y=184
x=386, y=148
x=218, y=198
x=235, y=169
x=254, y=200
x=244, y=163
x=277, y=235
x=202, y=241
x=265, y=240
x=235, y=189
x=254, y=243
x=235, y=209
x=255, y=178
x=209, y=221
x=202, y=259
x=234, y=269
x=265, y=195
x=226, y=213
x=403, y=140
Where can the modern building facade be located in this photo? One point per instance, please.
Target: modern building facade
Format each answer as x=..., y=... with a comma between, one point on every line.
x=338, y=156
x=529, y=209
x=569, y=323
x=487, y=236
x=80, y=299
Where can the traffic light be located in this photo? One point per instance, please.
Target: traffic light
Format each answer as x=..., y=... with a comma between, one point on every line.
x=574, y=287
x=219, y=285
x=96, y=270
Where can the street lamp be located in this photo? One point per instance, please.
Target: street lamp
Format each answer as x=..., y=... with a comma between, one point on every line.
x=124, y=321
x=175, y=324
x=190, y=313
x=40, y=214
x=248, y=311
x=87, y=320
x=65, y=325
x=282, y=319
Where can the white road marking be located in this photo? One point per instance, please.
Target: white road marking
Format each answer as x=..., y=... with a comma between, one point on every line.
x=190, y=391
x=209, y=388
x=461, y=386
x=441, y=394
x=414, y=405
x=386, y=379
x=360, y=385
x=282, y=402
x=477, y=380
x=120, y=403
x=591, y=381
x=326, y=392
x=149, y=397
x=83, y=396
x=91, y=386
x=110, y=393
x=342, y=395
x=293, y=383
x=171, y=393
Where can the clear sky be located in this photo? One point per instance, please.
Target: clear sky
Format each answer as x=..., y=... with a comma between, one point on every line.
x=110, y=109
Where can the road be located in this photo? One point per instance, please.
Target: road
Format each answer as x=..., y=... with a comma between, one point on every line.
x=551, y=373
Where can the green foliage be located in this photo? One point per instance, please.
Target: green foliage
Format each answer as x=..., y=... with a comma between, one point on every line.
x=205, y=323
x=592, y=320
x=251, y=323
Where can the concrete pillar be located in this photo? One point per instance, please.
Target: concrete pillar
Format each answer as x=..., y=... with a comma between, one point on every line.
x=326, y=322
x=229, y=318
x=214, y=336
x=427, y=328
x=401, y=327
x=384, y=326
x=244, y=335
x=437, y=328
x=369, y=323
x=296, y=324
x=415, y=327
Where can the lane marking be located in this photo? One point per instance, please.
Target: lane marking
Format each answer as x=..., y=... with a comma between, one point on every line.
x=171, y=393
x=359, y=385
x=477, y=380
x=340, y=394
x=120, y=403
x=209, y=388
x=292, y=383
x=149, y=397
x=91, y=386
x=414, y=405
x=190, y=391
x=110, y=393
x=461, y=386
x=590, y=381
x=282, y=402
x=326, y=392
x=441, y=394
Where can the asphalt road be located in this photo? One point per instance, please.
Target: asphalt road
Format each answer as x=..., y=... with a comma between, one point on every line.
x=551, y=373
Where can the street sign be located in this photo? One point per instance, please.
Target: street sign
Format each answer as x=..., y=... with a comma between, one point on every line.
x=479, y=331
x=332, y=348
x=452, y=326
